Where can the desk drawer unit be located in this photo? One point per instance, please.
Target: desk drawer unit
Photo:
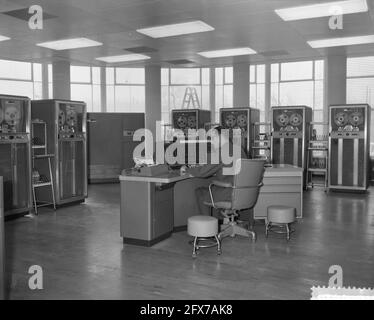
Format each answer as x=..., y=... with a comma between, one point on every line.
x=285, y=191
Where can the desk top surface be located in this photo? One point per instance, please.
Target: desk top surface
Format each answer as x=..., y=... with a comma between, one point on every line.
x=283, y=170
x=170, y=177
x=279, y=170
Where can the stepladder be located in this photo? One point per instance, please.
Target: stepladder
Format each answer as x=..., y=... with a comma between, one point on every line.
x=191, y=98
x=42, y=174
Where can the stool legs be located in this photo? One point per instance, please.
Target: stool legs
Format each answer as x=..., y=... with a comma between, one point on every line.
x=287, y=226
x=196, y=246
x=288, y=231
x=218, y=244
x=267, y=227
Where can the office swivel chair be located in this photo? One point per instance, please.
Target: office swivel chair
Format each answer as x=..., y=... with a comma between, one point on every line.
x=245, y=189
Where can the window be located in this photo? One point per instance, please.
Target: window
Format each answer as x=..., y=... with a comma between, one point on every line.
x=360, y=86
x=299, y=83
x=174, y=83
x=85, y=86
x=21, y=79
x=125, y=89
x=224, y=89
x=257, y=89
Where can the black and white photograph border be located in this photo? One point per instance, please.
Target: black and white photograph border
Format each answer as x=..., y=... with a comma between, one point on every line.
x=178, y=151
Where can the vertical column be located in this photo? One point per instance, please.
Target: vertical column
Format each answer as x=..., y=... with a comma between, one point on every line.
x=241, y=85
x=152, y=101
x=45, y=80
x=267, y=92
x=103, y=88
x=212, y=94
x=335, y=81
x=61, y=80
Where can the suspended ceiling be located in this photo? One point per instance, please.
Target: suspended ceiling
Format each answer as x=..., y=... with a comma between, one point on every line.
x=237, y=23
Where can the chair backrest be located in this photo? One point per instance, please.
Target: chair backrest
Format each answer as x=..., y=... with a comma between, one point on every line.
x=247, y=183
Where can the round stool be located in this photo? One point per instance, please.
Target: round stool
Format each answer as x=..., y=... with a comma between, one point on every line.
x=203, y=229
x=280, y=216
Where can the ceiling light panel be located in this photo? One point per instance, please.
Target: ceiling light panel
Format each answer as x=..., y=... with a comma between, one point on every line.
x=123, y=58
x=323, y=10
x=338, y=42
x=176, y=29
x=4, y=38
x=227, y=52
x=68, y=44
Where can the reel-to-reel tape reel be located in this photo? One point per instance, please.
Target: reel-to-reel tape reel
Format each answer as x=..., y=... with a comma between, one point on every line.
x=11, y=116
x=290, y=134
x=349, y=120
x=242, y=119
x=288, y=121
x=185, y=119
x=68, y=119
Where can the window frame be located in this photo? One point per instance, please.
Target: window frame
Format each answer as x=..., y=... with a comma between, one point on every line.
x=88, y=84
x=115, y=86
x=314, y=80
x=31, y=80
x=170, y=84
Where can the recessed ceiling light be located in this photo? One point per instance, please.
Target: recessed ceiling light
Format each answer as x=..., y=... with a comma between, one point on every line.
x=67, y=44
x=3, y=38
x=176, y=29
x=123, y=58
x=227, y=52
x=337, y=42
x=323, y=10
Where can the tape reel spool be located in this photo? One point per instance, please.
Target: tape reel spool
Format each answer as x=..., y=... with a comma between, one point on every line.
x=356, y=119
x=71, y=117
x=182, y=122
x=242, y=121
x=12, y=115
x=341, y=119
x=230, y=121
x=191, y=121
x=282, y=120
x=296, y=120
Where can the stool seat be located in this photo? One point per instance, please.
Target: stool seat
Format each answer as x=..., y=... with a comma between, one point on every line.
x=281, y=214
x=202, y=226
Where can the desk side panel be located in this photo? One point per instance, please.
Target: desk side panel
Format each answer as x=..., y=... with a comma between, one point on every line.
x=135, y=210
x=162, y=210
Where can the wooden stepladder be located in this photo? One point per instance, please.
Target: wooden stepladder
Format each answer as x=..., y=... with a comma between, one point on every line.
x=191, y=97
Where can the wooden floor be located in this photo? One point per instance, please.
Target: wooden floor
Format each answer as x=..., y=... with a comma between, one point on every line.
x=82, y=255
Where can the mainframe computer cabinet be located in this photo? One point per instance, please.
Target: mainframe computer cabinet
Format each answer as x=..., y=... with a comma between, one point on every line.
x=67, y=140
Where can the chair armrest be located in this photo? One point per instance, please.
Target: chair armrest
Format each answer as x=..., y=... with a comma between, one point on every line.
x=222, y=184
x=250, y=187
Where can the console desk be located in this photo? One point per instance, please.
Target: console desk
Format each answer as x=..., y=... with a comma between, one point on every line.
x=153, y=207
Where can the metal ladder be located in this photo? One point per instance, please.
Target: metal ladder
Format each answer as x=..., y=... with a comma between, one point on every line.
x=190, y=96
x=41, y=180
